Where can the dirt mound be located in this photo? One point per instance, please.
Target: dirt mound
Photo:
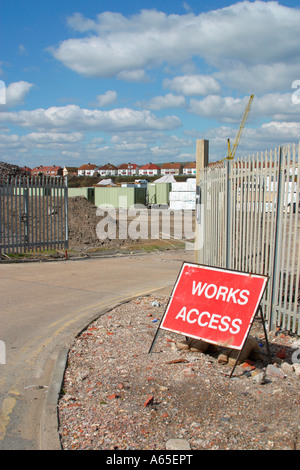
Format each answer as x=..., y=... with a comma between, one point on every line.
x=82, y=222
x=119, y=230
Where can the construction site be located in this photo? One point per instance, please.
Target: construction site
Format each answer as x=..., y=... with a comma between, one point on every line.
x=238, y=214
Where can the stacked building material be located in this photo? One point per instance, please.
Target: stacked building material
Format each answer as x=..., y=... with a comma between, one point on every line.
x=183, y=195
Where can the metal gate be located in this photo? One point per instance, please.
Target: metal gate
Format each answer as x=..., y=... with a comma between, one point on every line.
x=33, y=213
x=249, y=220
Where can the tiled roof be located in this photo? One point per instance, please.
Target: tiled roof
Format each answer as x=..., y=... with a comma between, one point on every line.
x=126, y=166
x=88, y=166
x=171, y=165
x=108, y=166
x=47, y=168
x=190, y=165
x=149, y=166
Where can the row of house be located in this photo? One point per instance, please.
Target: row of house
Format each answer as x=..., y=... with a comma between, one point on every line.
x=132, y=169
x=53, y=170
x=126, y=169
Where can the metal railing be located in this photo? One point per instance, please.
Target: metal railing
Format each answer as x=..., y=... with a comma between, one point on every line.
x=33, y=213
x=250, y=221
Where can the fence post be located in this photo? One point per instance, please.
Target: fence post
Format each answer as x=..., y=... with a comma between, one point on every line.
x=202, y=159
x=274, y=278
x=26, y=218
x=228, y=214
x=66, y=214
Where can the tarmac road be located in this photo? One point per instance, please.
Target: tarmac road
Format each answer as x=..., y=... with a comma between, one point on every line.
x=43, y=306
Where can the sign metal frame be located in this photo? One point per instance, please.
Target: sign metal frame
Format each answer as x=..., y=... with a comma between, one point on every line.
x=257, y=308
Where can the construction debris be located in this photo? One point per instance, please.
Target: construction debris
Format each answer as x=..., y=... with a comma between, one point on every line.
x=174, y=397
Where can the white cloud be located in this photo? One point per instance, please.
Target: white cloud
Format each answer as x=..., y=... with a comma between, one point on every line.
x=190, y=85
x=22, y=149
x=46, y=138
x=278, y=106
x=253, y=140
x=284, y=132
x=9, y=141
x=142, y=137
x=131, y=146
x=40, y=138
x=165, y=102
x=16, y=92
x=79, y=23
x=142, y=147
x=187, y=7
x=260, y=78
x=227, y=109
x=22, y=49
x=74, y=117
x=245, y=34
x=138, y=75
x=107, y=98
x=215, y=60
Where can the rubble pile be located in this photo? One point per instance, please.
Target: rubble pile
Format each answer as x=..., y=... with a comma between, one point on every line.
x=117, y=396
x=82, y=224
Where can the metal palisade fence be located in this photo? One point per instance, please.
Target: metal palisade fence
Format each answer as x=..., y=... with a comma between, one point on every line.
x=249, y=220
x=33, y=213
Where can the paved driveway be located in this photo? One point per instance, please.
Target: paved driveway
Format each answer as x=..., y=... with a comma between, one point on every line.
x=43, y=306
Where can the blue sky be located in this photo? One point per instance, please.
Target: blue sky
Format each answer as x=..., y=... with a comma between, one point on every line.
x=91, y=81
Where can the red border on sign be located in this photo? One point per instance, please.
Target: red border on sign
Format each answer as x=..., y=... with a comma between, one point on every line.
x=214, y=304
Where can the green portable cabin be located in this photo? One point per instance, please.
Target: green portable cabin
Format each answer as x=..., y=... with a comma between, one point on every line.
x=120, y=197
x=158, y=193
x=88, y=193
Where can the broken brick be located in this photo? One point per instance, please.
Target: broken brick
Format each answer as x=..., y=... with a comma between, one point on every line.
x=111, y=397
x=149, y=401
x=281, y=353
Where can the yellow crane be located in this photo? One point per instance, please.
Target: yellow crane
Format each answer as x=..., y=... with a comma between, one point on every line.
x=231, y=151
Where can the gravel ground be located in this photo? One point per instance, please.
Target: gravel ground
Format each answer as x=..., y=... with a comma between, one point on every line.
x=117, y=396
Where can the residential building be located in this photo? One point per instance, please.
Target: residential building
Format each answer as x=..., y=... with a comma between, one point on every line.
x=70, y=171
x=149, y=170
x=128, y=169
x=190, y=169
x=171, y=168
x=88, y=170
x=53, y=170
x=26, y=169
x=108, y=170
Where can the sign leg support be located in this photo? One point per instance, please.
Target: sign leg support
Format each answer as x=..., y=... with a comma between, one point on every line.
x=265, y=332
x=154, y=340
x=237, y=360
x=266, y=337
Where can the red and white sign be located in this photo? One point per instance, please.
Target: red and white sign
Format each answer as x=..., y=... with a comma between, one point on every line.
x=214, y=304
